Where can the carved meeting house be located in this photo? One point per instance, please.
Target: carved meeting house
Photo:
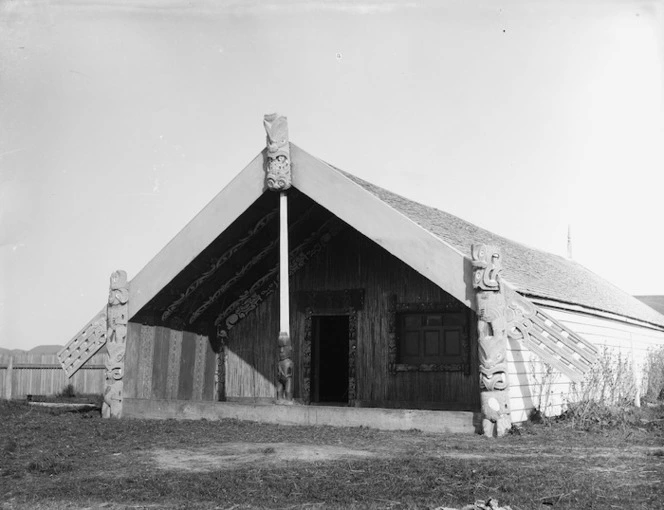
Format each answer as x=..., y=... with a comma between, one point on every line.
x=280, y=293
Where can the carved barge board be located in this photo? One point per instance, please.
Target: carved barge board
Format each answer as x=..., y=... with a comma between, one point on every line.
x=84, y=345
x=547, y=338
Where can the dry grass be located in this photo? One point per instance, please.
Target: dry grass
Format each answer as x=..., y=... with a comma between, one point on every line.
x=77, y=460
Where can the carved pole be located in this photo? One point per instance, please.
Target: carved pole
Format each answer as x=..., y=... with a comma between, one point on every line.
x=279, y=179
x=116, y=342
x=492, y=329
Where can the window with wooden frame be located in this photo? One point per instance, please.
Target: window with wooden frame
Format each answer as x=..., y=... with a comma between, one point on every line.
x=427, y=338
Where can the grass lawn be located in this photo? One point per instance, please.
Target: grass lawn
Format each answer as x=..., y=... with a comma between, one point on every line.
x=53, y=459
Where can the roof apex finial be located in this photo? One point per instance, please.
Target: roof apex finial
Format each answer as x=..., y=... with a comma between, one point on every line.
x=278, y=152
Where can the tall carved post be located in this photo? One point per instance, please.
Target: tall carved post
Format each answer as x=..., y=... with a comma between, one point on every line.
x=492, y=329
x=279, y=179
x=116, y=342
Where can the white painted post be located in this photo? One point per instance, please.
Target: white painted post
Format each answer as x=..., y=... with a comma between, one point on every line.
x=284, y=315
x=278, y=179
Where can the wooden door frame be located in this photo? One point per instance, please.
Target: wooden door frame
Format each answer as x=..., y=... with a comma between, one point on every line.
x=336, y=302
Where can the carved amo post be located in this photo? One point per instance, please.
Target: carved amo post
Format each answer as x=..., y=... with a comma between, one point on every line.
x=278, y=179
x=116, y=341
x=492, y=329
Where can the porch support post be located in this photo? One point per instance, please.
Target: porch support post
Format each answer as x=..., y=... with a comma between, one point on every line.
x=492, y=342
x=278, y=179
x=116, y=343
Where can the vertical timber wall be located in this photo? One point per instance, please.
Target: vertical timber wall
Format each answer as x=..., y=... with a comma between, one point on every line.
x=351, y=261
x=163, y=363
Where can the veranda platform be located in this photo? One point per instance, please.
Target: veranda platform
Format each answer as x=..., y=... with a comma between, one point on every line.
x=377, y=418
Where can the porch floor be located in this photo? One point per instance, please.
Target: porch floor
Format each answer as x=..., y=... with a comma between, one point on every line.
x=378, y=418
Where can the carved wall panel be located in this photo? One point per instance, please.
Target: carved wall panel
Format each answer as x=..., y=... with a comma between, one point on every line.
x=174, y=356
x=145, y=362
x=199, y=367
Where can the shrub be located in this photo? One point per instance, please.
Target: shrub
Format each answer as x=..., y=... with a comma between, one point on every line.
x=611, y=381
x=653, y=375
x=67, y=392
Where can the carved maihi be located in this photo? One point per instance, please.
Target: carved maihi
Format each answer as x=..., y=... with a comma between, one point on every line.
x=116, y=336
x=285, y=369
x=492, y=341
x=278, y=152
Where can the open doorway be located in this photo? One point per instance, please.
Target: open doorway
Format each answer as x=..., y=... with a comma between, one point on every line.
x=330, y=359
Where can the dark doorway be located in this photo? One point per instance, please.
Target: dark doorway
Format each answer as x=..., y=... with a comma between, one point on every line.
x=330, y=358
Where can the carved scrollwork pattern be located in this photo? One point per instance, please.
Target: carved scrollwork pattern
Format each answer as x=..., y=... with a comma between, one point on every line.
x=220, y=261
x=492, y=341
x=116, y=344
x=268, y=283
x=278, y=152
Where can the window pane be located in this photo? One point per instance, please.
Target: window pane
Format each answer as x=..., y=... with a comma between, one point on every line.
x=411, y=343
x=432, y=343
x=453, y=342
x=412, y=321
x=433, y=320
x=454, y=319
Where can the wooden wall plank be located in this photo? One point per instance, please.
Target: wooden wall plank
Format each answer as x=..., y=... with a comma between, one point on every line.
x=199, y=368
x=160, y=362
x=210, y=367
x=146, y=353
x=132, y=359
x=174, y=358
x=187, y=363
x=350, y=261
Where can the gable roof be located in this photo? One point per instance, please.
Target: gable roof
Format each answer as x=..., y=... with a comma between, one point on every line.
x=532, y=272
x=434, y=243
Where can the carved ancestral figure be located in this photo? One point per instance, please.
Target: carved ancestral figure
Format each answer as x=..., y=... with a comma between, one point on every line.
x=285, y=369
x=116, y=336
x=278, y=152
x=492, y=329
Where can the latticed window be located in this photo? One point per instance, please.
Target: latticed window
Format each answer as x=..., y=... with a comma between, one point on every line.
x=431, y=338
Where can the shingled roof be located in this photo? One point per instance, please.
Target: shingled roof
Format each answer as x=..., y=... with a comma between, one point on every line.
x=533, y=272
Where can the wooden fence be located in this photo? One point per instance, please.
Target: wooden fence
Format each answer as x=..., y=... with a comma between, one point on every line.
x=41, y=374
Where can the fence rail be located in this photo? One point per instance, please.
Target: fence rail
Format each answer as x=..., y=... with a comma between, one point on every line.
x=42, y=374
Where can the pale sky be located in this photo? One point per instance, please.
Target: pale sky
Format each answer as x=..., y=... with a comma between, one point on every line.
x=119, y=121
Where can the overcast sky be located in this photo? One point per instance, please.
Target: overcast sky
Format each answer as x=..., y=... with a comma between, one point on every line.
x=119, y=121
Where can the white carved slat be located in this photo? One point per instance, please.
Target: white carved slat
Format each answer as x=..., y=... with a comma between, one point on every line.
x=84, y=345
x=555, y=344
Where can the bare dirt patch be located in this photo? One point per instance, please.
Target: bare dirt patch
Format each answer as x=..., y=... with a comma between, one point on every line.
x=235, y=455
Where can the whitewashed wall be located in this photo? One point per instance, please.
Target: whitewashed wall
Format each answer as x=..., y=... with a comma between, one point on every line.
x=532, y=387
